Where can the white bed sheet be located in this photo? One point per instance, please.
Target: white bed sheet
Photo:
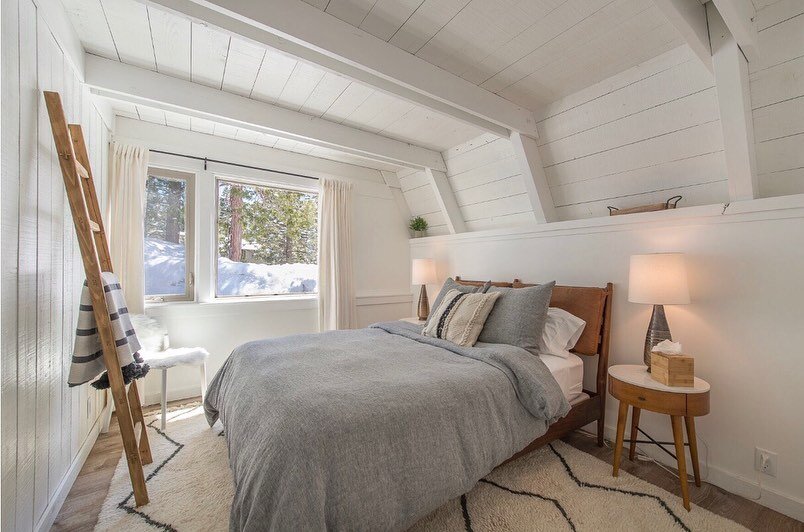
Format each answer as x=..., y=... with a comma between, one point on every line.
x=568, y=372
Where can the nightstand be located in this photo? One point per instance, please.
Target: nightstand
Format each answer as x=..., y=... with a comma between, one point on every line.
x=634, y=386
x=413, y=319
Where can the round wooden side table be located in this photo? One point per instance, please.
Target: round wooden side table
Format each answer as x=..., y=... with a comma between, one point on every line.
x=632, y=385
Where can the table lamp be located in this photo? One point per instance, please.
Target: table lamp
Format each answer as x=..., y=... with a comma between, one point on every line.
x=423, y=273
x=658, y=279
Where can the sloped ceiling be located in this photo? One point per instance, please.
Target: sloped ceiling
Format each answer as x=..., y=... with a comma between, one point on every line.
x=531, y=52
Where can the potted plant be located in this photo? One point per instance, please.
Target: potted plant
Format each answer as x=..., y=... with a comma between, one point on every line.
x=418, y=226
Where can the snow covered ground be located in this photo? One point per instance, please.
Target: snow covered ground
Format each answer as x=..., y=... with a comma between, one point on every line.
x=164, y=274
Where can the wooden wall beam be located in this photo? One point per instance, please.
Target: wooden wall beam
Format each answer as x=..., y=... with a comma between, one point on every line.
x=446, y=201
x=689, y=18
x=392, y=181
x=316, y=37
x=739, y=16
x=530, y=163
x=734, y=100
x=144, y=87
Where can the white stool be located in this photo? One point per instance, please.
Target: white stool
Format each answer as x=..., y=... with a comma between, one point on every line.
x=178, y=356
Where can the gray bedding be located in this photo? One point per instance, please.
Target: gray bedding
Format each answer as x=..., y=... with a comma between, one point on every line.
x=371, y=429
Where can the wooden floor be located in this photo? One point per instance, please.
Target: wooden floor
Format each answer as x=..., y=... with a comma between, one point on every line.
x=80, y=510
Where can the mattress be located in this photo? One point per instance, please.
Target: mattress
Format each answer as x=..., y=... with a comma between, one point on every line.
x=568, y=372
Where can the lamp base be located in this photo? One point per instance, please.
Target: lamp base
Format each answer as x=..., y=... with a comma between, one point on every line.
x=424, y=304
x=658, y=330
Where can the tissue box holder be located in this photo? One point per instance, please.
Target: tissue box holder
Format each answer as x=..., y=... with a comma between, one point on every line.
x=672, y=370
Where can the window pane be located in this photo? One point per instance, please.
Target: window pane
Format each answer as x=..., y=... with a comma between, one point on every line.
x=267, y=240
x=165, y=234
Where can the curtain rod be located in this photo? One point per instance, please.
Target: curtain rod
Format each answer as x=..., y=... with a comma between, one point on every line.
x=208, y=160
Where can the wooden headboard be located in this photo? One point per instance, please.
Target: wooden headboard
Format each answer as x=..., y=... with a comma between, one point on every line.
x=588, y=303
x=591, y=304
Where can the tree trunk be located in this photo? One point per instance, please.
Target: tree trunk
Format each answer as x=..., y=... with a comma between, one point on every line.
x=288, y=249
x=173, y=211
x=236, y=225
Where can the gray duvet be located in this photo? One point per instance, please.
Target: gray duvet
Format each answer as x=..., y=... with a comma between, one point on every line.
x=371, y=429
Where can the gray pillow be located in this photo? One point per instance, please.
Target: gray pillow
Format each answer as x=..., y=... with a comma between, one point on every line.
x=518, y=317
x=451, y=284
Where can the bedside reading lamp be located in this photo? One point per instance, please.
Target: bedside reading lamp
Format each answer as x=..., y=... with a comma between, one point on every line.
x=423, y=273
x=658, y=279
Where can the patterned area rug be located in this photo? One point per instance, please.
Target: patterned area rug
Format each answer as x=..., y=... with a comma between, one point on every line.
x=554, y=488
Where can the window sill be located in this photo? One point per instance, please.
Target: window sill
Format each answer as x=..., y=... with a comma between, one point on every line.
x=236, y=304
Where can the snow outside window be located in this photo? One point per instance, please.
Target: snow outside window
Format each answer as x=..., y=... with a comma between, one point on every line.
x=267, y=240
x=169, y=236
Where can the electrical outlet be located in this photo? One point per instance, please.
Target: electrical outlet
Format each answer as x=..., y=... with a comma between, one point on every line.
x=765, y=461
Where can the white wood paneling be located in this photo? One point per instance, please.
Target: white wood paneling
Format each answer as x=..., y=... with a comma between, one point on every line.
x=171, y=40
x=129, y=23
x=126, y=30
x=649, y=132
x=777, y=98
x=9, y=271
x=209, y=53
x=41, y=282
x=530, y=53
x=116, y=80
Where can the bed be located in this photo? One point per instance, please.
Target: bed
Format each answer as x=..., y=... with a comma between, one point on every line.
x=374, y=428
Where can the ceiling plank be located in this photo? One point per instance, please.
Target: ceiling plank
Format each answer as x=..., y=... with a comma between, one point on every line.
x=734, y=101
x=116, y=80
x=527, y=155
x=739, y=16
x=689, y=18
x=303, y=31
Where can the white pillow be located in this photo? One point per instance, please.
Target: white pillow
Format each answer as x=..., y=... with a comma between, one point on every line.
x=561, y=332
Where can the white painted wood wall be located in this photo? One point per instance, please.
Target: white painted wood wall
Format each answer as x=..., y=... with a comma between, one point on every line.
x=44, y=423
x=777, y=98
x=639, y=137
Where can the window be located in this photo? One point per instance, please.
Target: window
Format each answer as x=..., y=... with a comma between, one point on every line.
x=168, y=236
x=267, y=241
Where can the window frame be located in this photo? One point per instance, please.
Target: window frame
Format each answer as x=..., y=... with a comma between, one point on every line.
x=222, y=177
x=189, y=234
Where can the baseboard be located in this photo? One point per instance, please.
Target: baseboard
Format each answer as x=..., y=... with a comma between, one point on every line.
x=784, y=503
x=188, y=392
x=52, y=510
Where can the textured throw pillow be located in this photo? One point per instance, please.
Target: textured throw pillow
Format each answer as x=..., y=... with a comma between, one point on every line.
x=561, y=332
x=459, y=318
x=451, y=284
x=518, y=317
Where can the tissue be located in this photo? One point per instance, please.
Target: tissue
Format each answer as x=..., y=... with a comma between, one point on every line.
x=667, y=347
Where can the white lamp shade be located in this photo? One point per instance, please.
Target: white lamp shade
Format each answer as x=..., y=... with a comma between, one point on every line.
x=658, y=279
x=424, y=271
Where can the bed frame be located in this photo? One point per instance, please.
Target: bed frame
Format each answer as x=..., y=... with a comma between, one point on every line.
x=593, y=305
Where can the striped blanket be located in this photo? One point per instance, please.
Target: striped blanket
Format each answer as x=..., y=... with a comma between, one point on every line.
x=87, y=360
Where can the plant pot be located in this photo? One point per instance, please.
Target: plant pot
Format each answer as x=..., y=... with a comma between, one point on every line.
x=418, y=234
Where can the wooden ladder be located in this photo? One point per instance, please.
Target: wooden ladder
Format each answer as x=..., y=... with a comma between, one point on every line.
x=83, y=199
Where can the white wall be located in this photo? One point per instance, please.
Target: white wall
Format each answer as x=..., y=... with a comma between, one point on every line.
x=743, y=326
x=638, y=137
x=777, y=98
x=47, y=428
x=381, y=254
x=641, y=136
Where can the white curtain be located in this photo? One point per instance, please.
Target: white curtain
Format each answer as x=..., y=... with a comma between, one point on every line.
x=336, y=305
x=126, y=212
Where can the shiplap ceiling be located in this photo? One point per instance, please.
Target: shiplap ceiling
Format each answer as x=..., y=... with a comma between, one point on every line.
x=200, y=125
x=144, y=36
x=531, y=52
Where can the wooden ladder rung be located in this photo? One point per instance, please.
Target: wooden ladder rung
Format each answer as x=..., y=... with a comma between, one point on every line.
x=81, y=170
x=94, y=226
